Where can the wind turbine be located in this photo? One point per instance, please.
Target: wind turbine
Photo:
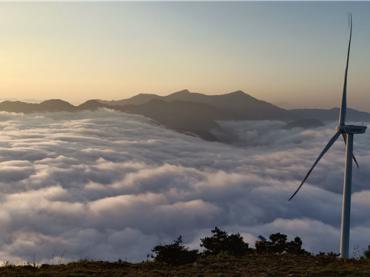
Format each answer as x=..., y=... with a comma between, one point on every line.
x=347, y=132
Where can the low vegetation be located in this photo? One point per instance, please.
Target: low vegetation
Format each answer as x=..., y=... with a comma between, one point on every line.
x=221, y=254
x=222, y=242
x=175, y=253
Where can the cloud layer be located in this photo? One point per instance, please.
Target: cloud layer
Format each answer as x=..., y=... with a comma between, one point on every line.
x=107, y=185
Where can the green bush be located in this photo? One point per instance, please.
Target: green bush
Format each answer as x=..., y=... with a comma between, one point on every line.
x=175, y=253
x=221, y=242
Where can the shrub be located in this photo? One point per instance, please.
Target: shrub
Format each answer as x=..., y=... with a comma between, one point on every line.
x=175, y=253
x=327, y=256
x=278, y=244
x=295, y=247
x=221, y=242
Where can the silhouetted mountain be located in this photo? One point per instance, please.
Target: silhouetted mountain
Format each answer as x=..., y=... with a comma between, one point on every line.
x=91, y=105
x=18, y=107
x=195, y=113
x=237, y=105
x=54, y=105
x=240, y=104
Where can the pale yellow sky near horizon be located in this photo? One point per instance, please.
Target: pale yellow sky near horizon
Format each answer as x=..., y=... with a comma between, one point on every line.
x=290, y=54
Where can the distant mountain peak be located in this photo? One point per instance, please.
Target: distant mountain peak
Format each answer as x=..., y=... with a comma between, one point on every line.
x=91, y=104
x=56, y=104
x=181, y=92
x=238, y=92
x=241, y=94
x=144, y=94
x=55, y=101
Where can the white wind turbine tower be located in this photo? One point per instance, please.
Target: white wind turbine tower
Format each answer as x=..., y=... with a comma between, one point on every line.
x=347, y=132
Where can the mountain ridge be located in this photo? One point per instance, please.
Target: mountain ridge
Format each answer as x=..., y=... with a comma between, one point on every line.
x=194, y=113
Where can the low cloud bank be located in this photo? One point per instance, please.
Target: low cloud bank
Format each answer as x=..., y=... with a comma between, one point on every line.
x=107, y=185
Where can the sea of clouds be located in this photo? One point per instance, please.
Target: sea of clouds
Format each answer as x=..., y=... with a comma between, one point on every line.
x=108, y=185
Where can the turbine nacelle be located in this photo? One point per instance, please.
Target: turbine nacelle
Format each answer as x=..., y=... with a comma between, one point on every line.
x=351, y=129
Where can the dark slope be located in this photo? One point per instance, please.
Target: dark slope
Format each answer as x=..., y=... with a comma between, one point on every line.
x=186, y=117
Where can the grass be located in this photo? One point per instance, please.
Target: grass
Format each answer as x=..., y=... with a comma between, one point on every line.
x=249, y=265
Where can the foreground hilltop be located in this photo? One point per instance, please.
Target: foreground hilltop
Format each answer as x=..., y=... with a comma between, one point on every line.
x=223, y=255
x=253, y=265
x=193, y=113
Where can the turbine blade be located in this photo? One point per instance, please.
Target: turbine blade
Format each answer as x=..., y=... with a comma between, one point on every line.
x=353, y=155
x=326, y=148
x=343, y=107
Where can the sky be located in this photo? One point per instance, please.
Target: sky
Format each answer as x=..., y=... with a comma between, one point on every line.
x=288, y=53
